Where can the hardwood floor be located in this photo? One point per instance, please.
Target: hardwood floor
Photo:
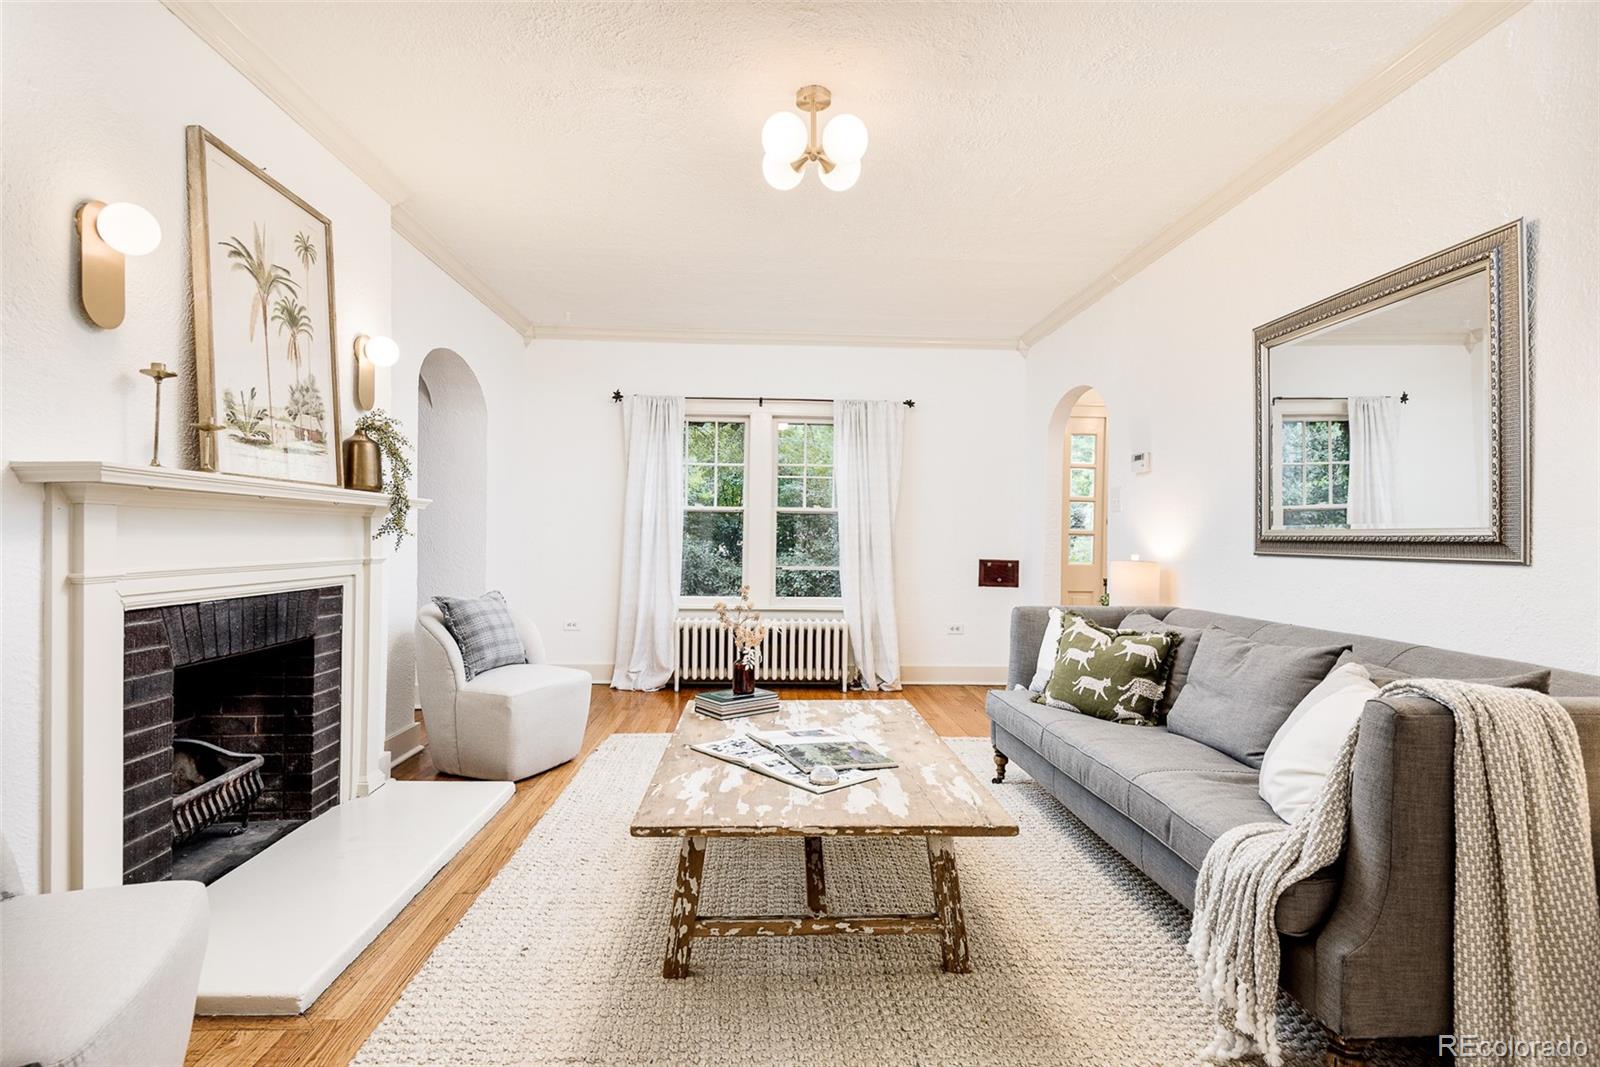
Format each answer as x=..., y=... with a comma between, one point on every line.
x=337, y=1024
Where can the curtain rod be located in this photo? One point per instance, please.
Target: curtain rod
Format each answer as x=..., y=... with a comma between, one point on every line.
x=616, y=396
x=1405, y=398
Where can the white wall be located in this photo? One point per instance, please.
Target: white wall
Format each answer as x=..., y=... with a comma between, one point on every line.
x=96, y=101
x=452, y=474
x=1509, y=128
x=430, y=312
x=961, y=499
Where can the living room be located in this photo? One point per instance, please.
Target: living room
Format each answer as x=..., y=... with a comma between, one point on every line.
x=1150, y=447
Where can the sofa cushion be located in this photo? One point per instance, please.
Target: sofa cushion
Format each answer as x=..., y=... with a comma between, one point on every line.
x=1182, y=656
x=1113, y=763
x=1537, y=680
x=483, y=630
x=1239, y=692
x=1305, y=748
x=1110, y=674
x=1048, y=647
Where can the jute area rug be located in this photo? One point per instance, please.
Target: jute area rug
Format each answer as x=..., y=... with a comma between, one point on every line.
x=1078, y=957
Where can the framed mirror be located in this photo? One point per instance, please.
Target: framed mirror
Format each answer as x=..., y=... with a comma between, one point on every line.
x=1393, y=420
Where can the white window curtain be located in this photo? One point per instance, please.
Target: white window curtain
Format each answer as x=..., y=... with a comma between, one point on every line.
x=866, y=471
x=1374, y=451
x=652, y=541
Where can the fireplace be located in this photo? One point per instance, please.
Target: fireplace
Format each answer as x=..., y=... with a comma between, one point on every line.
x=226, y=681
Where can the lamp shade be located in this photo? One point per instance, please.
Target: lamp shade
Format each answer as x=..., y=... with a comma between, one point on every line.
x=841, y=177
x=784, y=135
x=779, y=173
x=128, y=228
x=845, y=139
x=1135, y=581
x=381, y=350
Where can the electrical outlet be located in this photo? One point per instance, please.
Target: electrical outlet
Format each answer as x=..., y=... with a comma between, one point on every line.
x=570, y=626
x=956, y=630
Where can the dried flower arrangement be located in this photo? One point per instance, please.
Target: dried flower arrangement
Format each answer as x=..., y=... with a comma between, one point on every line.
x=743, y=621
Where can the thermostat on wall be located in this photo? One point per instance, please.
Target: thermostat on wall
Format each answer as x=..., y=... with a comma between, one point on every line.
x=1141, y=463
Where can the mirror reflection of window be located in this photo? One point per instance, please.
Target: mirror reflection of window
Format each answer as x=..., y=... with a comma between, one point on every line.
x=1380, y=419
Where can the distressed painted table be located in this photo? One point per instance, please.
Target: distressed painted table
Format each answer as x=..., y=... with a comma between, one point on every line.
x=930, y=794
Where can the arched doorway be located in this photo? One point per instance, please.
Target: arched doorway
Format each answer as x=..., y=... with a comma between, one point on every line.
x=452, y=461
x=1077, y=445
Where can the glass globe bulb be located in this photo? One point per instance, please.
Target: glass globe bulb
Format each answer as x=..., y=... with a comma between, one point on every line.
x=382, y=351
x=845, y=139
x=784, y=135
x=779, y=174
x=128, y=228
x=842, y=177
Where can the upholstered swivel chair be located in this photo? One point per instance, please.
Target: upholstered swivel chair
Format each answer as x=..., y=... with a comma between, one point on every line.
x=503, y=724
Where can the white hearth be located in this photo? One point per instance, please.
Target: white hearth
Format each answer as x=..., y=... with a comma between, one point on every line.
x=122, y=538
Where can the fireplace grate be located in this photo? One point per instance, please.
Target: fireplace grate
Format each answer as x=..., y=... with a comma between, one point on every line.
x=215, y=784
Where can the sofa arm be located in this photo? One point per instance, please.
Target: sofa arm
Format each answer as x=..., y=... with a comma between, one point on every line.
x=1383, y=959
x=1585, y=712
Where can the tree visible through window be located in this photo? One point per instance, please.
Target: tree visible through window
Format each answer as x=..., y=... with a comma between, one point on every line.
x=1314, y=472
x=807, y=518
x=713, y=508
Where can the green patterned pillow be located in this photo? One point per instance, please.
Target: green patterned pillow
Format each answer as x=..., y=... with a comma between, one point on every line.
x=1119, y=675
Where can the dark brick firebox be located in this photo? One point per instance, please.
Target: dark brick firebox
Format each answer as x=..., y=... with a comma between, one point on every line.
x=254, y=674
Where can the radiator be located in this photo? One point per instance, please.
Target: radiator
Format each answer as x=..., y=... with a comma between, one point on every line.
x=796, y=650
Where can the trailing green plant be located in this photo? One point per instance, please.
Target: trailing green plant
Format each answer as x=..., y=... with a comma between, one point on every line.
x=384, y=429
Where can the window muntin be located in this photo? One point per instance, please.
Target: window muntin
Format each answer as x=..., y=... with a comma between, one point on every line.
x=713, y=507
x=806, y=518
x=1313, y=483
x=1082, y=449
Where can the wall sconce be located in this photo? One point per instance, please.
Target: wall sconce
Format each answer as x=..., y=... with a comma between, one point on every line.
x=372, y=353
x=107, y=234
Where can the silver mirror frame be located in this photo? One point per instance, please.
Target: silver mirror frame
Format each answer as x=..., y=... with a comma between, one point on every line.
x=1503, y=252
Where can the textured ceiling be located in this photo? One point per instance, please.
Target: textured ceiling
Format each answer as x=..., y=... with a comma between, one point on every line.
x=598, y=165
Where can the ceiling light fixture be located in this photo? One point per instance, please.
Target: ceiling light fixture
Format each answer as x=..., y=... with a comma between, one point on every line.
x=790, y=144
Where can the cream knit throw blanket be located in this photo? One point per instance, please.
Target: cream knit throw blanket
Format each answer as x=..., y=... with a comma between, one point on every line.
x=1527, y=924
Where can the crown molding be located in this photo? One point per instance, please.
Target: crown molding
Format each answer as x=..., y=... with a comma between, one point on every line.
x=728, y=337
x=1464, y=26
x=422, y=239
x=213, y=26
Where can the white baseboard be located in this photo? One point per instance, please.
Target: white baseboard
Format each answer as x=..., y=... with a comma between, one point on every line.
x=926, y=675
x=404, y=743
x=939, y=675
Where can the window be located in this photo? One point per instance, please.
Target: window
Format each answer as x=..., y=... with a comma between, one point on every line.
x=1082, y=467
x=806, y=542
x=1313, y=469
x=713, y=507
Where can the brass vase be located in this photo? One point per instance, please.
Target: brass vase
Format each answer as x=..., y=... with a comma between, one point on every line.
x=363, y=465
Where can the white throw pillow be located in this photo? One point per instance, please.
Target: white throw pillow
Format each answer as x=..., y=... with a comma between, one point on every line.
x=1304, y=748
x=1047, y=652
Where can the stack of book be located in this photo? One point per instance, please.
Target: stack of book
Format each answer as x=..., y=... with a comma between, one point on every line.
x=726, y=704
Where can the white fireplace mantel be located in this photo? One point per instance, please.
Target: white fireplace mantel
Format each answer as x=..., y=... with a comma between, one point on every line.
x=123, y=537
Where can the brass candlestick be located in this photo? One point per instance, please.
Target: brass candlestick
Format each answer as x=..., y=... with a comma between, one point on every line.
x=160, y=373
x=208, y=443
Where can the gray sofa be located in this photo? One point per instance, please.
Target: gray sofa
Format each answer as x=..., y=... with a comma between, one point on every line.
x=1366, y=942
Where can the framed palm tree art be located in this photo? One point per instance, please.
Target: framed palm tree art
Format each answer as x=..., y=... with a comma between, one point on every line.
x=261, y=262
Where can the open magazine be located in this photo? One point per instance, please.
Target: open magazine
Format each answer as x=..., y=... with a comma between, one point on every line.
x=809, y=747
x=742, y=750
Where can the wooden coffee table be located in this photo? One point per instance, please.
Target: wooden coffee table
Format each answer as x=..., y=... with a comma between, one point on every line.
x=930, y=794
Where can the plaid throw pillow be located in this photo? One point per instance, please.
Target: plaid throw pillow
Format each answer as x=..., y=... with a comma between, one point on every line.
x=484, y=632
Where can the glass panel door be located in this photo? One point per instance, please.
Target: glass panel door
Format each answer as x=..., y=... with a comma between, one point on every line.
x=1083, y=565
